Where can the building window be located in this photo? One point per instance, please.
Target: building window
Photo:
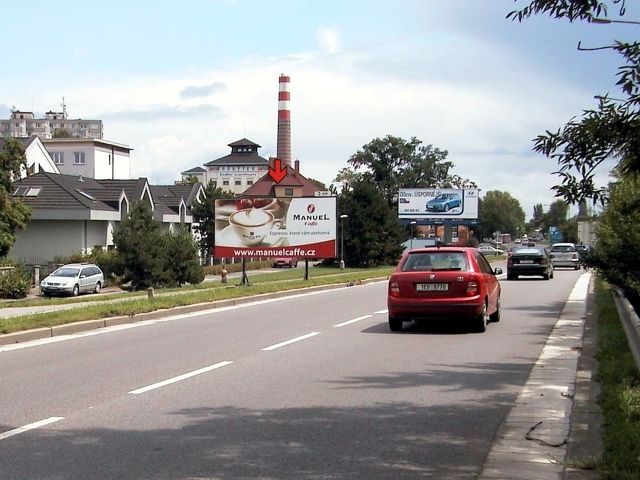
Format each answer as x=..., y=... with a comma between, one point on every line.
x=78, y=158
x=58, y=158
x=225, y=182
x=249, y=182
x=288, y=192
x=73, y=125
x=238, y=182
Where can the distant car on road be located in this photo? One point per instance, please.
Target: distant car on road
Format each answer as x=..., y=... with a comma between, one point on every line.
x=285, y=262
x=452, y=283
x=517, y=240
x=565, y=255
x=444, y=202
x=530, y=261
x=73, y=279
x=489, y=250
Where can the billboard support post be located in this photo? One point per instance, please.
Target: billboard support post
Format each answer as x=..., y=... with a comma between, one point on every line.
x=245, y=278
x=306, y=269
x=412, y=225
x=342, y=217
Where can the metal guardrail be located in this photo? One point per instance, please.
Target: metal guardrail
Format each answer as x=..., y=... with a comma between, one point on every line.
x=630, y=322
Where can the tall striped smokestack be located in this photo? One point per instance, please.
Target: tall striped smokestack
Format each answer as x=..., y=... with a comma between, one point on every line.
x=284, y=120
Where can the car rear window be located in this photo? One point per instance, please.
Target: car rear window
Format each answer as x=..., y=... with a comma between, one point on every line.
x=528, y=251
x=563, y=248
x=435, y=261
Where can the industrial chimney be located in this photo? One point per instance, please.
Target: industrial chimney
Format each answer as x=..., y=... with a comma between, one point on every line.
x=284, y=121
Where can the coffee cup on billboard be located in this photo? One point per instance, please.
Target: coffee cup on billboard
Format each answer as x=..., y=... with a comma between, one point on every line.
x=252, y=225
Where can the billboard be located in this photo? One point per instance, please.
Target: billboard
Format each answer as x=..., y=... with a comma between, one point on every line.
x=303, y=227
x=434, y=203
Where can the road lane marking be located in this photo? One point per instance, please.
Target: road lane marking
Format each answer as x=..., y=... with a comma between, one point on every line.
x=180, y=377
x=386, y=310
x=293, y=340
x=348, y=322
x=31, y=426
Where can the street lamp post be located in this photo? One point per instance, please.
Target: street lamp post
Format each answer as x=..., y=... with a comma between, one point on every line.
x=342, y=217
x=609, y=20
x=412, y=224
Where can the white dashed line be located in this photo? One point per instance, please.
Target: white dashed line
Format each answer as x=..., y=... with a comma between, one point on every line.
x=293, y=340
x=386, y=310
x=31, y=426
x=348, y=322
x=180, y=377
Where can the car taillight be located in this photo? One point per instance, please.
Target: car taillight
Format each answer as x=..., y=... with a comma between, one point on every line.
x=510, y=261
x=394, y=289
x=575, y=256
x=472, y=288
x=543, y=261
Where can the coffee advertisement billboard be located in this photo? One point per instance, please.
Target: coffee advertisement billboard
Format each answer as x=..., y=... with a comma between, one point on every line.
x=303, y=227
x=433, y=203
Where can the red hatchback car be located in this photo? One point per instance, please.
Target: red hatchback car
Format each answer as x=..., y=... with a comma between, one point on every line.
x=444, y=283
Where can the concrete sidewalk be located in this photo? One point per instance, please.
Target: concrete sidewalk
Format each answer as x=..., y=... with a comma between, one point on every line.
x=7, y=311
x=555, y=422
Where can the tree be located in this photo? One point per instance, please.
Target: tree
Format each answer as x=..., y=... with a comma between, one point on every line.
x=140, y=247
x=182, y=264
x=610, y=131
x=61, y=133
x=557, y=214
x=391, y=163
x=14, y=214
x=372, y=233
x=190, y=180
x=318, y=183
x=616, y=257
x=204, y=214
x=500, y=212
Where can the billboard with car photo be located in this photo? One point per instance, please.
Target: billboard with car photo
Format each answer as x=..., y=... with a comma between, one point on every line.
x=304, y=227
x=433, y=203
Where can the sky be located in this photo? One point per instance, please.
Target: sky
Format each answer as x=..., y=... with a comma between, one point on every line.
x=179, y=81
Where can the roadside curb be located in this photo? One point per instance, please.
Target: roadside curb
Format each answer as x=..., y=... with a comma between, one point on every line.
x=584, y=446
x=87, y=325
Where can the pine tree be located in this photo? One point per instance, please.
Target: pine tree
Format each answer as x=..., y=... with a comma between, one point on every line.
x=140, y=247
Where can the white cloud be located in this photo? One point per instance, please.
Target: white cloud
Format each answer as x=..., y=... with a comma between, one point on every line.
x=339, y=103
x=328, y=39
x=80, y=53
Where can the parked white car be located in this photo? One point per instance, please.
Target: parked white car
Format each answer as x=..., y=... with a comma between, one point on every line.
x=489, y=250
x=73, y=279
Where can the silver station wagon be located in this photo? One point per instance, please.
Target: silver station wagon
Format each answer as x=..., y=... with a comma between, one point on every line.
x=565, y=255
x=73, y=279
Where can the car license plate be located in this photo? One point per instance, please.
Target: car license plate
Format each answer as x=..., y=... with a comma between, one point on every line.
x=432, y=287
x=526, y=261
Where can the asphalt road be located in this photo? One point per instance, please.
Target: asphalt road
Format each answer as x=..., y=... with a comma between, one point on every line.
x=307, y=387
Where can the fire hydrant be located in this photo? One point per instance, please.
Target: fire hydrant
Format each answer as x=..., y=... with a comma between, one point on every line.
x=224, y=275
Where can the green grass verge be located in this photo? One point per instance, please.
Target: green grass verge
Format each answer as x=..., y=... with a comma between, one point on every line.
x=620, y=399
x=134, y=303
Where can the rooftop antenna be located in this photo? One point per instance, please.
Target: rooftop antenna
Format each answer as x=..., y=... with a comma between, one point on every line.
x=64, y=109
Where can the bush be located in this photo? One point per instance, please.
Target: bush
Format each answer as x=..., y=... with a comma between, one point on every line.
x=107, y=260
x=237, y=267
x=15, y=283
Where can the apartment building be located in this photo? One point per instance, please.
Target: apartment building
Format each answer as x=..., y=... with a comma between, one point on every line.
x=25, y=124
